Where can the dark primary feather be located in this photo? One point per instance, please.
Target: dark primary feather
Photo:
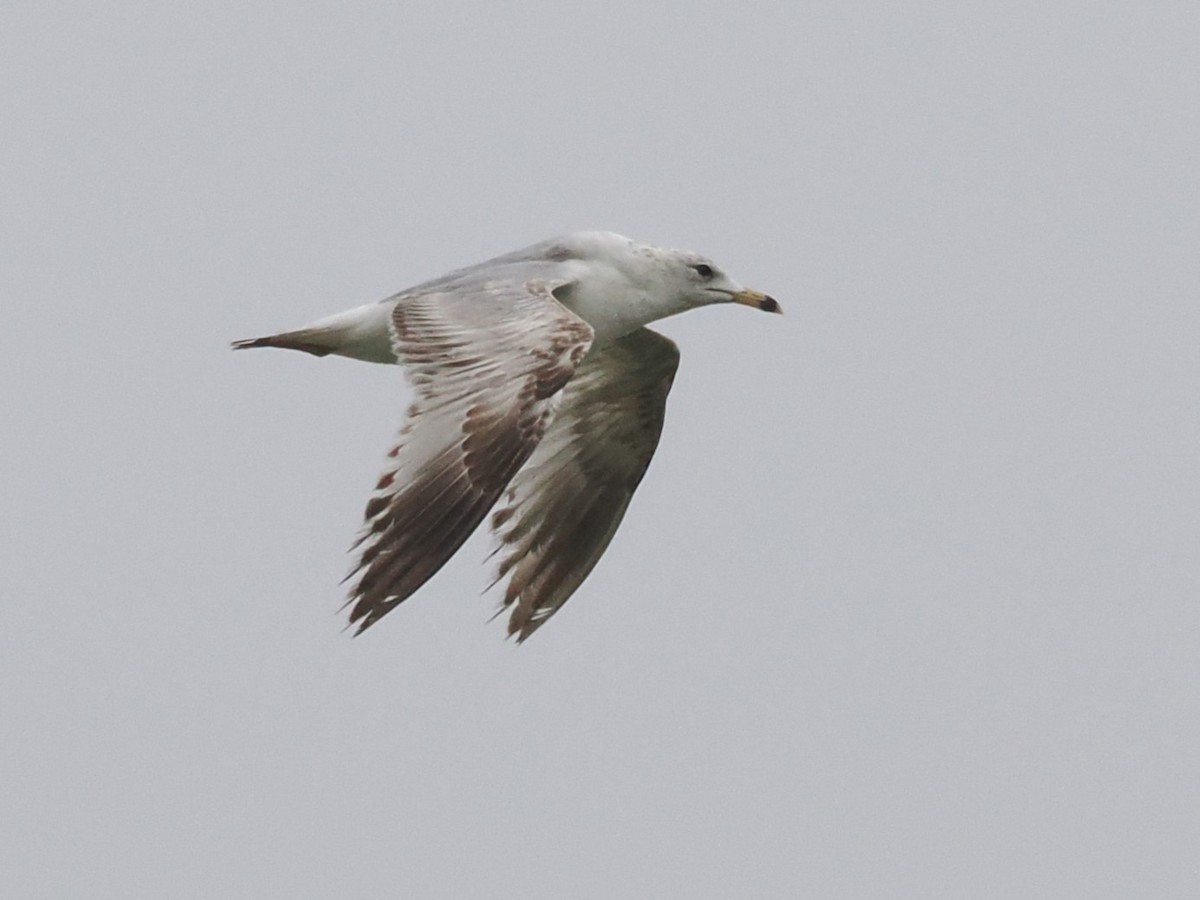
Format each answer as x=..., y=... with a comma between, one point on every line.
x=488, y=365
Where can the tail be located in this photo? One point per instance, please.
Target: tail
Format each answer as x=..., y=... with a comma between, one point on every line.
x=360, y=333
x=291, y=340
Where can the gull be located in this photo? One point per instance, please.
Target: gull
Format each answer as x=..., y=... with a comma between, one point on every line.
x=538, y=392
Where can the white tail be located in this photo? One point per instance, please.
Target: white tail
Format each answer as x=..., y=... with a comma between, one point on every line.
x=360, y=333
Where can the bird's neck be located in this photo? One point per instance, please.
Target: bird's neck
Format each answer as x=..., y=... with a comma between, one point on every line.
x=614, y=310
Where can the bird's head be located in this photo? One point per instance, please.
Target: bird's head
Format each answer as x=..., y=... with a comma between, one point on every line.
x=701, y=282
x=669, y=281
x=689, y=279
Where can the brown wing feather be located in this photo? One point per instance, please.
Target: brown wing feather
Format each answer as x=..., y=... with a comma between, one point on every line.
x=565, y=505
x=488, y=367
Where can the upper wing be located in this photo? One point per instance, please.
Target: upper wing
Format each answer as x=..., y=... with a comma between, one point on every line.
x=488, y=364
x=565, y=505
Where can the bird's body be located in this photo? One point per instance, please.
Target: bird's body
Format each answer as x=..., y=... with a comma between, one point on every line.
x=537, y=387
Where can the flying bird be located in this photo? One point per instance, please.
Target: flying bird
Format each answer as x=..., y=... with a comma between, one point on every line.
x=538, y=391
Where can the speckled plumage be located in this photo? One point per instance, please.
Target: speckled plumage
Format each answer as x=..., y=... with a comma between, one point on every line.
x=536, y=382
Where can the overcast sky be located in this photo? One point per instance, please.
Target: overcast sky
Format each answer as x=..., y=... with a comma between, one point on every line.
x=907, y=605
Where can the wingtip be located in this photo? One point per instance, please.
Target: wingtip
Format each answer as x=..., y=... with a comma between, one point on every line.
x=520, y=629
x=358, y=624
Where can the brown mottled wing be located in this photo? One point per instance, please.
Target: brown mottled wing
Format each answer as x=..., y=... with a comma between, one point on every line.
x=564, y=506
x=488, y=366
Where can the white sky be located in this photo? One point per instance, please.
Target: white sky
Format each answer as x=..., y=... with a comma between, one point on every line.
x=907, y=604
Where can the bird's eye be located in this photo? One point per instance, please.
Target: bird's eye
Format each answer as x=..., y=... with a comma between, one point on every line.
x=703, y=270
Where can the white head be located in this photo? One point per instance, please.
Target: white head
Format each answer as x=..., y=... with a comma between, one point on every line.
x=682, y=279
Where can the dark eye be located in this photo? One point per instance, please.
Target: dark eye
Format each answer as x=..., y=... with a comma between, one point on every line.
x=703, y=270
